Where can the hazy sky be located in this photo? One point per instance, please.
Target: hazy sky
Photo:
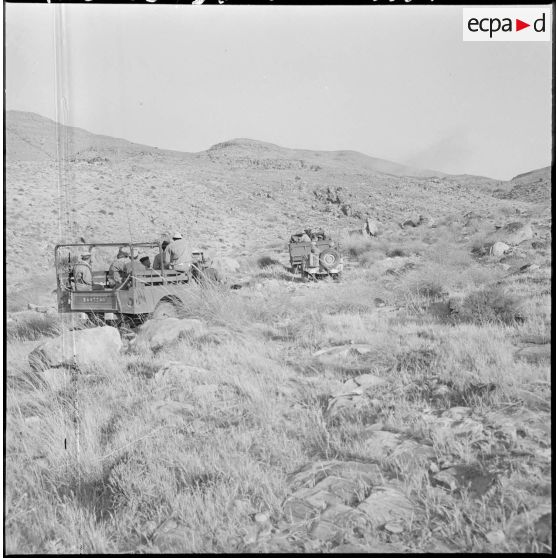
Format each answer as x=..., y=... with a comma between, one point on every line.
x=395, y=82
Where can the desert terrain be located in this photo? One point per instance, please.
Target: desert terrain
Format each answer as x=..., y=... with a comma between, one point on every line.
x=406, y=408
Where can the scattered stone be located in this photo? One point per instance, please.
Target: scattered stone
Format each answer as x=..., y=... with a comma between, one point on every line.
x=155, y=334
x=346, y=405
x=496, y=537
x=443, y=428
x=261, y=518
x=538, y=519
x=364, y=382
x=394, y=527
x=337, y=521
x=85, y=347
x=534, y=354
x=498, y=249
x=413, y=221
x=386, y=504
x=528, y=267
x=343, y=351
x=380, y=444
x=536, y=339
x=458, y=413
x=379, y=302
x=467, y=477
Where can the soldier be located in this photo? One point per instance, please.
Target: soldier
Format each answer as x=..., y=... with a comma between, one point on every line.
x=134, y=266
x=117, y=271
x=306, y=235
x=83, y=276
x=157, y=258
x=177, y=255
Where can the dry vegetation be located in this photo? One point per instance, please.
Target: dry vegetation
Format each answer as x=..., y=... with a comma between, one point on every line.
x=129, y=458
x=191, y=448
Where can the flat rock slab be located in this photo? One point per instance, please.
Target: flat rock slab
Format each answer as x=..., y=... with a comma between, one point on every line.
x=344, y=356
x=312, y=473
x=444, y=427
x=85, y=347
x=385, y=504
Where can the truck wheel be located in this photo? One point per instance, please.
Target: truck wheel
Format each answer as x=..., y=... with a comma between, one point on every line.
x=165, y=309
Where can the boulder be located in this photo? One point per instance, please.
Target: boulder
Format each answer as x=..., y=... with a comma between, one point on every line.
x=413, y=221
x=513, y=233
x=155, y=334
x=498, y=249
x=99, y=345
x=371, y=227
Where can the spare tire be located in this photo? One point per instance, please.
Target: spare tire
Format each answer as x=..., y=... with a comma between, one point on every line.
x=329, y=258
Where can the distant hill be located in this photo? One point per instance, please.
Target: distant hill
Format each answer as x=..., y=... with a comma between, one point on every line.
x=533, y=186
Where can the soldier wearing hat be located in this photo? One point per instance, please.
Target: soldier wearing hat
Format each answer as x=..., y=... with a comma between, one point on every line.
x=177, y=254
x=117, y=271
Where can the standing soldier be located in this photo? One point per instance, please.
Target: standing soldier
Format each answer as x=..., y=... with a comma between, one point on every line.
x=177, y=254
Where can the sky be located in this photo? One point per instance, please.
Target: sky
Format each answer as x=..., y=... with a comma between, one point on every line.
x=395, y=82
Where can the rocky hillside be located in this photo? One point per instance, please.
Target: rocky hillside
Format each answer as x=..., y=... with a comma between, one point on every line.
x=236, y=198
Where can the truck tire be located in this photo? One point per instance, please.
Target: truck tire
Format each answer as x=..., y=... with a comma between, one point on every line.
x=165, y=309
x=329, y=258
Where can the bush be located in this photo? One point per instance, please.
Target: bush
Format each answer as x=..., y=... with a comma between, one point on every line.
x=396, y=253
x=490, y=305
x=34, y=327
x=267, y=261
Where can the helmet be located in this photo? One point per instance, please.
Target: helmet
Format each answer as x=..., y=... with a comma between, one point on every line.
x=176, y=235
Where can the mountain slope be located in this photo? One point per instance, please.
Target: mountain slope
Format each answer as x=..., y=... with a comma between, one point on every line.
x=238, y=197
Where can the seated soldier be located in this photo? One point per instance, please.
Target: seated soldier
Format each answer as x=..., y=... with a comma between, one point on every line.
x=157, y=264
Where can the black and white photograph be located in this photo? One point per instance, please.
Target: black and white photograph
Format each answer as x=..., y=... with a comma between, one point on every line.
x=278, y=278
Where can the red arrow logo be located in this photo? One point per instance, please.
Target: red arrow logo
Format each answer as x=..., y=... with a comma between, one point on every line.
x=519, y=25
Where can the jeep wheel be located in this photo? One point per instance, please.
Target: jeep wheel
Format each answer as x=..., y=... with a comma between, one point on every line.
x=165, y=309
x=329, y=258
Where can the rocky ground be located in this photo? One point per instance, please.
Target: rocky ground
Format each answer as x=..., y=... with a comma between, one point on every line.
x=406, y=408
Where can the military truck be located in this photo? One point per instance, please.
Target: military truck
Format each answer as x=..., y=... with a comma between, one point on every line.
x=145, y=293
x=314, y=255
